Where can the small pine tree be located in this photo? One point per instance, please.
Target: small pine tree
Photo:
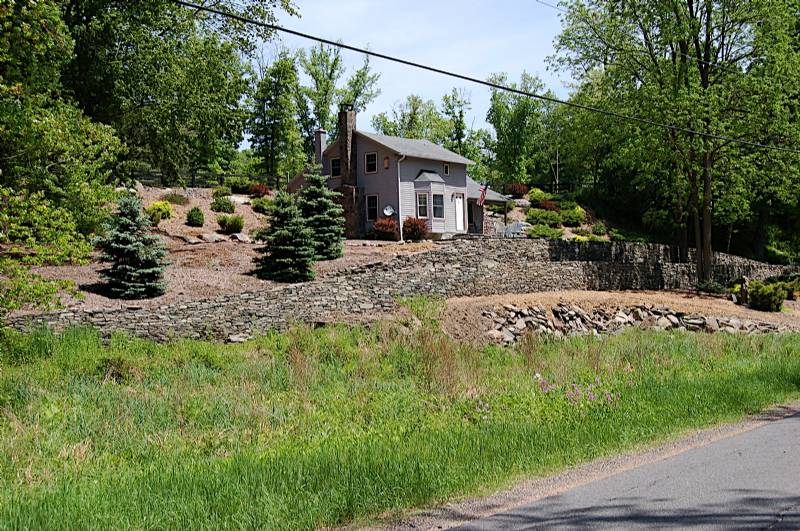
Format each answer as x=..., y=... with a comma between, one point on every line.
x=324, y=216
x=136, y=255
x=288, y=251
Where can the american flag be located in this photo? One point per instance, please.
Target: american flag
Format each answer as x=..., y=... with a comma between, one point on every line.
x=484, y=188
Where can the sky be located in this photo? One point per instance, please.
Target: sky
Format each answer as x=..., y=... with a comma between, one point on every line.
x=473, y=37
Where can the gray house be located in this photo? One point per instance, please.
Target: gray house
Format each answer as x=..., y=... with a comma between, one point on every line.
x=403, y=178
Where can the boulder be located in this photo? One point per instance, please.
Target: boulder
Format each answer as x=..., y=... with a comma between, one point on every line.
x=213, y=237
x=241, y=238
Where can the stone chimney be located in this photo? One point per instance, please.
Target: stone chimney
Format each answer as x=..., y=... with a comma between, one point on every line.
x=347, y=149
x=320, y=143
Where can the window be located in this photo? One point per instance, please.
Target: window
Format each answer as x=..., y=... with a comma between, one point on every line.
x=371, y=163
x=336, y=167
x=438, y=206
x=447, y=169
x=422, y=205
x=372, y=207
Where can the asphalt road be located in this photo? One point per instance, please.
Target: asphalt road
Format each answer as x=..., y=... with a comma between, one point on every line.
x=747, y=481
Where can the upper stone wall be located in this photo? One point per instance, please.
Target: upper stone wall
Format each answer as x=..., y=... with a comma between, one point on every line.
x=455, y=269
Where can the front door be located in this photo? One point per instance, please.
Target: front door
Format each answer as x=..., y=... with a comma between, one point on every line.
x=459, y=212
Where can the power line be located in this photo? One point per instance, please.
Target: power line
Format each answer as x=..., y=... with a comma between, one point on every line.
x=685, y=55
x=496, y=86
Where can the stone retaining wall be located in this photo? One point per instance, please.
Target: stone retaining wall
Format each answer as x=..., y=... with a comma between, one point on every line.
x=457, y=268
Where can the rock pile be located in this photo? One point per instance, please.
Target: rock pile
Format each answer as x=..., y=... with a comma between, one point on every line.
x=510, y=322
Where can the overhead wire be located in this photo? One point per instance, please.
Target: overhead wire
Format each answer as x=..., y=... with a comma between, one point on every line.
x=478, y=81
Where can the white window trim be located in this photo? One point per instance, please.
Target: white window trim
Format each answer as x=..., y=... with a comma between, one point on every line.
x=446, y=169
x=340, y=166
x=366, y=165
x=427, y=205
x=433, y=207
x=377, y=206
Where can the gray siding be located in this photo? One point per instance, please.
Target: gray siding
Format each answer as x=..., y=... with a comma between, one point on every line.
x=384, y=182
x=455, y=183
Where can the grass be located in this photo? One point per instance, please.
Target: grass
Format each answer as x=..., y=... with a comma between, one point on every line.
x=322, y=427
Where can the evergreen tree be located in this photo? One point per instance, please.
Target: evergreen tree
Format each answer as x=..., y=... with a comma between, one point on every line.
x=288, y=251
x=136, y=255
x=323, y=215
x=274, y=129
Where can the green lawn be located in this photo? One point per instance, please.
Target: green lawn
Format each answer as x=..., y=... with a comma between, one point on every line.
x=321, y=427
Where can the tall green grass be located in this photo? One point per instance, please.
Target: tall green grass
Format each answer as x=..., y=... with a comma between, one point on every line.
x=321, y=427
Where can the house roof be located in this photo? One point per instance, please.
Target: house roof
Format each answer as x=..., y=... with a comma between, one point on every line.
x=426, y=176
x=474, y=192
x=413, y=147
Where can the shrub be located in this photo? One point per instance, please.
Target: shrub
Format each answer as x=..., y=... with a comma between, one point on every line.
x=158, y=211
x=566, y=204
x=385, y=228
x=260, y=204
x=537, y=196
x=288, y=251
x=258, y=190
x=239, y=185
x=230, y=224
x=765, y=297
x=415, y=229
x=616, y=236
x=545, y=232
x=323, y=215
x=538, y=216
x=195, y=217
x=175, y=198
x=221, y=191
x=574, y=217
x=223, y=204
x=580, y=239
x=599, y=229
x=581, y=232
x=136, y=255
x=711, y=286
x=549, y=204
x=517, y=190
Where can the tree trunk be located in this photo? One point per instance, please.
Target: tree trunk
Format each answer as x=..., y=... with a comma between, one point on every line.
x=707, y=251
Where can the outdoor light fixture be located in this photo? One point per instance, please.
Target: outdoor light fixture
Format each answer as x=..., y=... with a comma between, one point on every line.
x=385, y=163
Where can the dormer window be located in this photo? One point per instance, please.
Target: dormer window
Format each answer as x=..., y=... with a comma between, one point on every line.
x=371, y=162
x=446, y=169
x=336, y=167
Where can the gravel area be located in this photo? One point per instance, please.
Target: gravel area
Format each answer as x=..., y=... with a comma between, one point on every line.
x=463, y=317
x=207, y=270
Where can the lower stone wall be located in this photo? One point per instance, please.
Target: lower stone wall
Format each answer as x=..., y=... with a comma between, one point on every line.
x=455, y=269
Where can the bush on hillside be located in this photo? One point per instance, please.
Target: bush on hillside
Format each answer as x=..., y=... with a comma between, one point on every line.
x=288, y=251
x=323, y=215
x=765, y=297
x=239, y=185
x=175, y=198
x=223, y=204
x=538, y=216
x=501, y=208
x=386, y=229
x=599, y=229
x=545, y=232
x=574, y=217
x=136, y=255
x=221, y=191
x=195, y=217
x=158, y=211
x=710, y=286
x=537, y=196
x=260, y=205
x=258, y=190
x=517, y=190
x=415, y=229
x=549, y=204
x=230, y=224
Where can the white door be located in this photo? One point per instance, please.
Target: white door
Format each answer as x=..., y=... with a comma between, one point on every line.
x=459, y=212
